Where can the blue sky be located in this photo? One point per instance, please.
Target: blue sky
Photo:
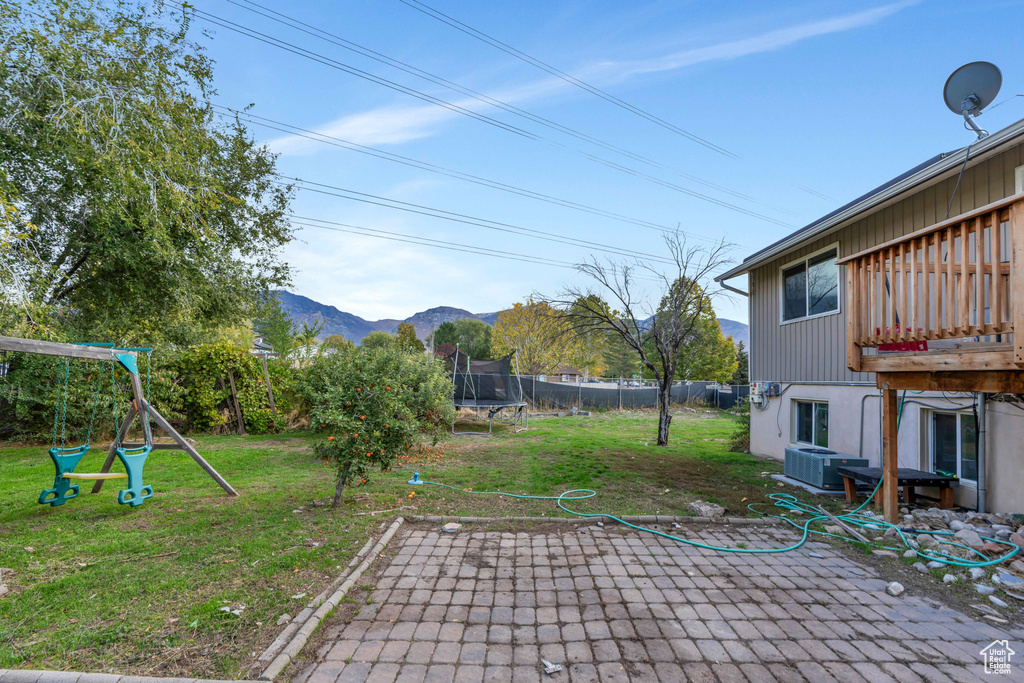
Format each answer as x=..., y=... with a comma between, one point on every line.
x=835, y=97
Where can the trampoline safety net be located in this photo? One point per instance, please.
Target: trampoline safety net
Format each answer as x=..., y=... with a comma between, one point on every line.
x=487, y=384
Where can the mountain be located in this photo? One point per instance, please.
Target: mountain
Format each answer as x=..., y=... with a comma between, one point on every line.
x=302, y=309
x=740, y=332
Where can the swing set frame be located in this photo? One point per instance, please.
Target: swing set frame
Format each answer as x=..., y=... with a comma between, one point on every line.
x=139, y=406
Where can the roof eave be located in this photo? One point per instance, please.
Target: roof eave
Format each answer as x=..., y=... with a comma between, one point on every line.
x=937, y=169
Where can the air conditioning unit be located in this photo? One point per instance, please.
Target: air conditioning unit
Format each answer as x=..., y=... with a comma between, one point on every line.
x=817, y=466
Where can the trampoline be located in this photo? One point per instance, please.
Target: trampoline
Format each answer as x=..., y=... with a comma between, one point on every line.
x=489, y=385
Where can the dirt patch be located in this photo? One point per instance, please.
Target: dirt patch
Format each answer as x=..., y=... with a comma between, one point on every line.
x=286, y=443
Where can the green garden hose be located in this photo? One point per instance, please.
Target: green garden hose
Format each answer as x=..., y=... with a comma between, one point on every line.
x=781, y=500
x=786, y=502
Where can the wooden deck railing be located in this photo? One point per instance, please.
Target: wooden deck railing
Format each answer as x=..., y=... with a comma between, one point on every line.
x=961, y=278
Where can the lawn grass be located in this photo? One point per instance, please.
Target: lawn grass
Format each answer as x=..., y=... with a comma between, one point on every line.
x=102, y=587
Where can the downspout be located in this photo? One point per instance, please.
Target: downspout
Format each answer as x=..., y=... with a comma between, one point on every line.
x=982, y=478
x=732, y=289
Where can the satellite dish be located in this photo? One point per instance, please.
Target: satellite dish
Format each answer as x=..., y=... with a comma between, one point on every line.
x=970, y=89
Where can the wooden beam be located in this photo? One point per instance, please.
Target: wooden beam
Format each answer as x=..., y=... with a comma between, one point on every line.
x=1003, y=382
x=48, y=348
x=934, y=361
x=1017, y=280
x=853, y=351
x=890, y=455
x=187, y=447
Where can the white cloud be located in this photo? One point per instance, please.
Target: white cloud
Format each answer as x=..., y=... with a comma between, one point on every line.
x=765, y=42
x=398, y=124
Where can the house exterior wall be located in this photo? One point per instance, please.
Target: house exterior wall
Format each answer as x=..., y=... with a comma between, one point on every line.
x=808, y=357
x=815, y=349
x=771, y=432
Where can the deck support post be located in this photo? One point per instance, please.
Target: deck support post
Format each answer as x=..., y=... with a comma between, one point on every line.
x=890, y=455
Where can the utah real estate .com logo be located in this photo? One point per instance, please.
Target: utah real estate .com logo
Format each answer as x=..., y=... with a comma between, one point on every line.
x=997, y=657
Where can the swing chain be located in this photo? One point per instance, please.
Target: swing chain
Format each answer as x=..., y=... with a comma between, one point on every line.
x=60, y=409
x=95, y=403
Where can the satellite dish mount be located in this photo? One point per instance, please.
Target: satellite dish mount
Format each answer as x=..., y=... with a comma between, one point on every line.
x=970, y=89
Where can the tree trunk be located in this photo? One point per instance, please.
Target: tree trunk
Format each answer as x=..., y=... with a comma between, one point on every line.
x=664, y=419
x=340, y=486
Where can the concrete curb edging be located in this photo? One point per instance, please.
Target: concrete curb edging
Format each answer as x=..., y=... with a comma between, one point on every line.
x=303, y=633
x=296, y=623
x=632, y=519
x=41, y=676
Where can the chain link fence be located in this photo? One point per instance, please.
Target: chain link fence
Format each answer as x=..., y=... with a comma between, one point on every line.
x=625, y=394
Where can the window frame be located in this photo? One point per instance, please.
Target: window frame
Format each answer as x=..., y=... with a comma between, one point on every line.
x=795, y=429
x=960, y=414
x=805, y=261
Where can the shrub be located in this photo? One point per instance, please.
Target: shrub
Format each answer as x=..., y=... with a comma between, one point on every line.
x=370, y=405
x=203, y=376
x=739, y=442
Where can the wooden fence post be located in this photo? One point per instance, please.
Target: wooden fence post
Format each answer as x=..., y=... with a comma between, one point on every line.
x=238, y=408
x=270, y=389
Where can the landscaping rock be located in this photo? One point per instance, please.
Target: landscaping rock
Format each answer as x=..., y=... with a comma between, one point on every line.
x=934, y=564
x=996, y=601
x=833, y=529
x=977, y=574
x=1017, y=539
x=1017, y=566
x=949, y=578
x=451, y=527
x=909, y=553
x=919, y=566
x=957, y=525
x=704, y=509
x=284, y=619
x=885, y=553
x=927, y=541
x=984, y=590
x=894, y=588
x=969, y=537
x=1008, y=580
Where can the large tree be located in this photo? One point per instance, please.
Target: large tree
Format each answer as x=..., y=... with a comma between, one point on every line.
x=406, y=339
x=742, y=374
x=706, y=355
x=656, y=334
x=471, y=336
x=128, y=209
x=538, y=332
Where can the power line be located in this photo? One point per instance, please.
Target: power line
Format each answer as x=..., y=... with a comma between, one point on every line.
x=327, y=61
x=436, y=244
x=434, y=168
x=337, y=40
x=508, y=49
x=427, y=242
x=358, y=73
x=522, y=56
x=386, y=202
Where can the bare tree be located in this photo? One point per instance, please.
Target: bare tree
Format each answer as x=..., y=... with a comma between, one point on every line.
x=654, y=332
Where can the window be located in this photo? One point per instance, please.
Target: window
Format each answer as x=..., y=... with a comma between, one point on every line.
x=812, y=423
x=811, y=286
x=954, y=446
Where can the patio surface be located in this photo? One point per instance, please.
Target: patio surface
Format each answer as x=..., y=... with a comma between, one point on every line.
x=610, y=604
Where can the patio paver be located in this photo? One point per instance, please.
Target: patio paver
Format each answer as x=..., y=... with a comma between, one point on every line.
x=613, y=605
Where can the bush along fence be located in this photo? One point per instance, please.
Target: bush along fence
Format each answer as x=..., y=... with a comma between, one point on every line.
x=620, y=395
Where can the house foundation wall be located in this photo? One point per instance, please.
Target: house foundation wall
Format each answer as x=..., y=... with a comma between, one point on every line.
x=854, y=429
